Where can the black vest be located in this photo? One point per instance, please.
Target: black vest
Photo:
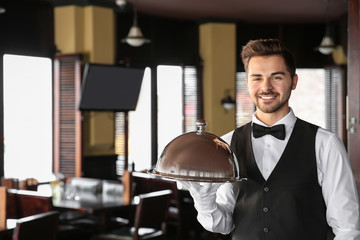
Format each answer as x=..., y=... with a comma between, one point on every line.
x=289, y=205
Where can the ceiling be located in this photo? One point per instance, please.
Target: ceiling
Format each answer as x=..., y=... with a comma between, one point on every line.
x=253, y=11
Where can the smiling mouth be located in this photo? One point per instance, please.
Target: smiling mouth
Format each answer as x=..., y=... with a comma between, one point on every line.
x=267, y=97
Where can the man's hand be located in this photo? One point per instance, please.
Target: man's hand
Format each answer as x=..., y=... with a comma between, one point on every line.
x=201, y=188
x=203, y=193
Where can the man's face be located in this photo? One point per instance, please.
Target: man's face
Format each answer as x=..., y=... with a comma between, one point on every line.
x=270, y=84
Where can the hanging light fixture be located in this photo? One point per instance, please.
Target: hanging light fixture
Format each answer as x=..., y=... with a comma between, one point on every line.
x=228, y=102
x=135, y=37
x=327, y=45
x=120, y=3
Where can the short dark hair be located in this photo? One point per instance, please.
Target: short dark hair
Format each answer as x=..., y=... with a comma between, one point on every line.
x=268, y=47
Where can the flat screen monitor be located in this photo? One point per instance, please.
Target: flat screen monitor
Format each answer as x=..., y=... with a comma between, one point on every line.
x=110, y=88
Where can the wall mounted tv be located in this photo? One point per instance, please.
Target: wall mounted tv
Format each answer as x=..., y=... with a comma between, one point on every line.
x=110, y=88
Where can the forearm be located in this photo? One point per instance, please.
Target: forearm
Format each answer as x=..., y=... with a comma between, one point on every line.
x=346, y=234
x=339, y=191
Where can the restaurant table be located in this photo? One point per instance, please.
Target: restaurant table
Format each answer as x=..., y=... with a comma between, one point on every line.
x=96, y=204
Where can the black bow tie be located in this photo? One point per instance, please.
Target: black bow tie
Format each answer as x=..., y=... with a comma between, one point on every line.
x=277, y=131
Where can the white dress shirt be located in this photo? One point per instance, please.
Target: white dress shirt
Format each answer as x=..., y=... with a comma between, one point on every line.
x=334, y=174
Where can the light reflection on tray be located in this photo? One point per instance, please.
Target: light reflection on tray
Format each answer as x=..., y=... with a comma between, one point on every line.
x=194, y=178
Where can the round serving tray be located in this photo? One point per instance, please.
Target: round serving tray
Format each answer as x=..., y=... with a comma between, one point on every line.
x=193, y=178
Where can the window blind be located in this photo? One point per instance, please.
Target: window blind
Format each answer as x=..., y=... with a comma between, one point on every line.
x=244, y=105
x=191, y=98
x=335, y=101
x=67, y=117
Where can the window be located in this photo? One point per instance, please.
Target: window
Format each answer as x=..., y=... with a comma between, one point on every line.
x=139, y=130
x=178, y=102
x=140, y=127
x=177, y=94
x=28, y=117
x=308, y=99
x=170, y=104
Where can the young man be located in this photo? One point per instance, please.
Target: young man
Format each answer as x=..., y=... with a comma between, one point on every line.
x=300, y=181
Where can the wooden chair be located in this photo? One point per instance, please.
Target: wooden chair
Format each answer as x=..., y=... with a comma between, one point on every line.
x=11, y=204
x=43, y=226
x=23, y=203
x=129, y=186
x=11, y=183
x=3, y=206
x=146, y=183
x=29, y=184
x=149, y=221
x=31, y=202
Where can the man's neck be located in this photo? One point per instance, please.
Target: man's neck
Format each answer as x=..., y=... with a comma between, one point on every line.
x=271, y=118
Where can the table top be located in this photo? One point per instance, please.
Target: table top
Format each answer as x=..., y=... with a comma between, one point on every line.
x=90, y=204
x=86, y=197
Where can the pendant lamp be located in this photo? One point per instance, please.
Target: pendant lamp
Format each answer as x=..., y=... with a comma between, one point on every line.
x=327, y=45
x=135, y=37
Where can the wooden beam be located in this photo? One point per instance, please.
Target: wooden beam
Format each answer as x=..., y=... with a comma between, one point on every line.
x=3, y=199
x=353, y=115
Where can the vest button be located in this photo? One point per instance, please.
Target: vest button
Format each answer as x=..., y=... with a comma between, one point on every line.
x=266, y=189
x=266, y=230
x=265, y=209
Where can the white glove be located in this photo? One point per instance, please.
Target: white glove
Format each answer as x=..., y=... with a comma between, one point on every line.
x=203, y=193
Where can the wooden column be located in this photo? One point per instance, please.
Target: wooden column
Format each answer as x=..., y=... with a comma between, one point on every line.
x=353, y=115
x=218, y=52
x=90, y=31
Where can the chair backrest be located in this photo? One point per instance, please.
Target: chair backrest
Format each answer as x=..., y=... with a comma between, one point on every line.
x=29, y=184
x=3, y=203
x=43, y=226
x=11, y=204
x=31, y=202
x=129, y=187
x=146, y=183
x=12, y=183
x=152, y=211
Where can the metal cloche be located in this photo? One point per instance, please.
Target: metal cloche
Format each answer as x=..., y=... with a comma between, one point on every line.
x=197, y=156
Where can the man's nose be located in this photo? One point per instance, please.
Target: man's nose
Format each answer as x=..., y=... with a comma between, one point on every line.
x=266, y=85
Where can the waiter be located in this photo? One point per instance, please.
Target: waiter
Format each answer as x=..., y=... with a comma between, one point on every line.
x=300, y=183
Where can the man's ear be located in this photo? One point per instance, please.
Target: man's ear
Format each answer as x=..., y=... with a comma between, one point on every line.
x=294, y=82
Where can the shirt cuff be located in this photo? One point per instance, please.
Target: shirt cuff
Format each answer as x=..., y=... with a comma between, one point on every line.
x=216, y=221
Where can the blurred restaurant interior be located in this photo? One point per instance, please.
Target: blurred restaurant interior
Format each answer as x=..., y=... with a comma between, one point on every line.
x=93, y=91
